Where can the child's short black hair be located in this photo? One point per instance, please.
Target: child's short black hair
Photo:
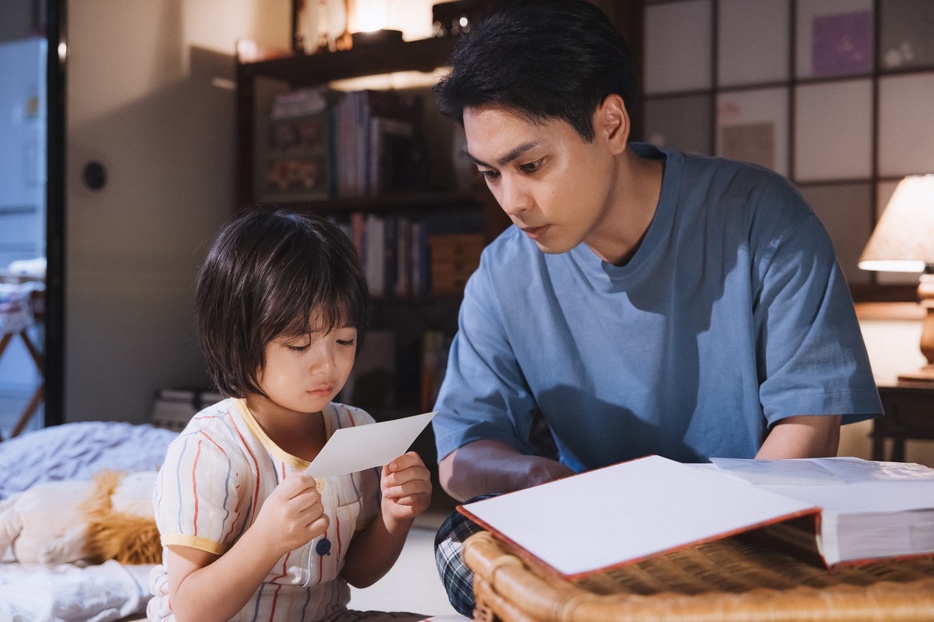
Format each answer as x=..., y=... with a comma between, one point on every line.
x=265, y=275
x=542, y=59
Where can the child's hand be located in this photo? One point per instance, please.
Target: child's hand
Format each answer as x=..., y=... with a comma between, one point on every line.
x=406, y=487
x=292, y=515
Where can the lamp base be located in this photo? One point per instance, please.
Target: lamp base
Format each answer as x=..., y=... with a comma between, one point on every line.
x=925, y=375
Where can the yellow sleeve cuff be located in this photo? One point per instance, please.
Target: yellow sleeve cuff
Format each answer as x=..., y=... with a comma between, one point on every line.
x=202, y=544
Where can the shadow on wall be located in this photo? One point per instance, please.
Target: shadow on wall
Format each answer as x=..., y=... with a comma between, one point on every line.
x=135, y=244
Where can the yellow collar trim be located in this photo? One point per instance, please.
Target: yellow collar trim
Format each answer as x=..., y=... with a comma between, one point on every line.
x=257, y=431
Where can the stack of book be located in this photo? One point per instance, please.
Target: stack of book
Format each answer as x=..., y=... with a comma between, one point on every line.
x=174, y=407
x=393, y=251
x=322, y=144
x=377, y=147
x=406, y=257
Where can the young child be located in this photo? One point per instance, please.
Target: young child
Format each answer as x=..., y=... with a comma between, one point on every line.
x=281, y=307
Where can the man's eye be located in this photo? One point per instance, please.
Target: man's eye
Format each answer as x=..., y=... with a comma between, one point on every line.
x=531, y=167
x=488, y=174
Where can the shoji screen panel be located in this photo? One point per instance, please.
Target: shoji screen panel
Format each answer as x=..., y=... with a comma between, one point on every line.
x=837, y=95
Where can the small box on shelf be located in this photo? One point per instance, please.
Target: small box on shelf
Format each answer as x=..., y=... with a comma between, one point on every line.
x=454, y=257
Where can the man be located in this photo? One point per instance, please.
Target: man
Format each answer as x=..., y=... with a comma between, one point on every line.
x=646, y=301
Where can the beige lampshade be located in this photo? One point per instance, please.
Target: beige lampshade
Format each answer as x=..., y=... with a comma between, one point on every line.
x=903, y=241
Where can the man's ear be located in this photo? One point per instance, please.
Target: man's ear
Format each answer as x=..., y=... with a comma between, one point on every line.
x=611, y=123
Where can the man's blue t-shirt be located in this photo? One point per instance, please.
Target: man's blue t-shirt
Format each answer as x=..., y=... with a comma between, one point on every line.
x=731, y=315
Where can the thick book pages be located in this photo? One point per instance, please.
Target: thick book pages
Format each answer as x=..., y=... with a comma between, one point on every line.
x=869, y=510
x=628, y=512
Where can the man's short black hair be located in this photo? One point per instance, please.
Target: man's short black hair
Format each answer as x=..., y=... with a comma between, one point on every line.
x=267, y=272
x=542, y=59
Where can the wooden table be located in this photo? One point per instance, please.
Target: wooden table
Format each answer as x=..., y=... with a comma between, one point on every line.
x=23, y=315
x=909, y=415
x=730, y=580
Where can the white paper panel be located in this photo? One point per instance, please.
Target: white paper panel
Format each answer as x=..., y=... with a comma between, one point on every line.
x=753, y=126
x=846, y=212
x=905, y=39
x=833, y=130
x=906, y=125
x=678, y=46
x=753, y=39
x=681, y=122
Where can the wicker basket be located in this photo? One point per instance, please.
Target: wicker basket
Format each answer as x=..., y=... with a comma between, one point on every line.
x=724, y=581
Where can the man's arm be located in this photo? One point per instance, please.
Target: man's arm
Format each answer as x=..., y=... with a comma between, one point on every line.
x=811, y=436
x=489, y=466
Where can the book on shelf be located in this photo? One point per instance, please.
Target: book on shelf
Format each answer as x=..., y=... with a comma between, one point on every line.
x=374, y=257
x=404, y=252
x=636, y=510
x=299, y=103
x=295, y=162
x=392, y=155
x=435, y=347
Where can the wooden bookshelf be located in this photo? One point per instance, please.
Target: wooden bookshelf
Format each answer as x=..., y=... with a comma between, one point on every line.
x=302, y=71
x=260, y=77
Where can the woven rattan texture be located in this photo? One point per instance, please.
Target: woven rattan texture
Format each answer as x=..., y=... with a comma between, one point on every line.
x=725, y=581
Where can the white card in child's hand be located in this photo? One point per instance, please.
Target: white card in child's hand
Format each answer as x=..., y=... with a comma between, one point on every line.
x=366, y=446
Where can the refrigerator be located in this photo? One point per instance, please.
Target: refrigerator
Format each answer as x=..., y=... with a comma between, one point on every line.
x=22, y=193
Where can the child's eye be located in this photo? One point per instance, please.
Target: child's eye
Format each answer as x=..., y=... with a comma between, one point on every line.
x=297, y=348
x=346, y=336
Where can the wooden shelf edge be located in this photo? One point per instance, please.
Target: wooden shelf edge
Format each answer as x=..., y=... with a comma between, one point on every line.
x=414, y=202
x=377, y=59
x=906, y=311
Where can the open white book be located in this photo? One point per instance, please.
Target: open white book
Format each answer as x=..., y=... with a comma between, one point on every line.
x=635, y=510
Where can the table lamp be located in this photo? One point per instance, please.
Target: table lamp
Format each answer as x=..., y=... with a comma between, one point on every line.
x=903, y=241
